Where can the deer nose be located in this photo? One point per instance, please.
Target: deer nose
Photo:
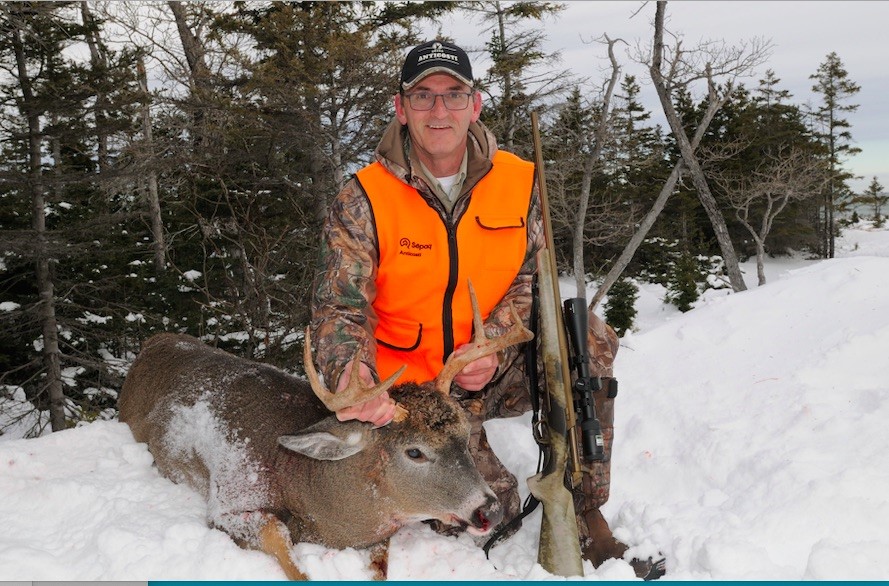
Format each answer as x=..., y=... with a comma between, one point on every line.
x=487, y=516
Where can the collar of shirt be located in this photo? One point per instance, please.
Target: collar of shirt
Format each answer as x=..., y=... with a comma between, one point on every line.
x=447, y=196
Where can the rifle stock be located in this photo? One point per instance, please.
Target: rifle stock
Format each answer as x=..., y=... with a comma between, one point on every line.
x=559, y=548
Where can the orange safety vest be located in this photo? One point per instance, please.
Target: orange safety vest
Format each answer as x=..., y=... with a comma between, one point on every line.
x=422, y=299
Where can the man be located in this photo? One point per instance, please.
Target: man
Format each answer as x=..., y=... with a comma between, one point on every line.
x=441, y=205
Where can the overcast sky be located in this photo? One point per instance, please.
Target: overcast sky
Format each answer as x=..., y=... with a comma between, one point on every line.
x=802, y=35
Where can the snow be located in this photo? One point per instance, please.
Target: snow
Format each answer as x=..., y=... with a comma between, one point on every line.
x=750, y=444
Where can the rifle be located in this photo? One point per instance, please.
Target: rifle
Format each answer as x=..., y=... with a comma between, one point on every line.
x=556, y=431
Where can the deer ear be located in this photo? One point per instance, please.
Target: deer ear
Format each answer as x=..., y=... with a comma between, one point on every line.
x=326, y=442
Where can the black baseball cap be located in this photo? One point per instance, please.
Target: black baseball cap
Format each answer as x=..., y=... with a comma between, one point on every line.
x=435, y=57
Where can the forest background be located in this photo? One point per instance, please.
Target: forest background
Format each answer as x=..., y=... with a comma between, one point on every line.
x=166, y=166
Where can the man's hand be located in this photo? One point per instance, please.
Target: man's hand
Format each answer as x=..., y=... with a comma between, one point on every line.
x=478, y=373
x=378, y=411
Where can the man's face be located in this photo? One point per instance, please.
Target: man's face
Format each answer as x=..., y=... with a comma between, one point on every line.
x=439, y=135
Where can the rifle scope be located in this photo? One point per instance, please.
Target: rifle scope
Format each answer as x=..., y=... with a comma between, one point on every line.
x=576, y=323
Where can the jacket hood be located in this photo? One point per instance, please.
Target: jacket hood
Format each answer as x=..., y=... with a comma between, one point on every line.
x=393, y=152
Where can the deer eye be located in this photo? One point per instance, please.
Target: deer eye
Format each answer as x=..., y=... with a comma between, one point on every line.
x=415, y=454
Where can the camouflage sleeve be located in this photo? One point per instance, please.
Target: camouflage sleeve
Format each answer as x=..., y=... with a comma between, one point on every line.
x=343, y=319
x=603, y=343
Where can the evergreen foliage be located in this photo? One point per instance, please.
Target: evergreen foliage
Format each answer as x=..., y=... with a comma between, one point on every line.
x=521, y=77
x=832, y=129
x=682, y=284
x=620, y=307
x=874, y=199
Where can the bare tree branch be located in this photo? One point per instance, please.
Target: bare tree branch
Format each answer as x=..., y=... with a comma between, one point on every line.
x=784, y=177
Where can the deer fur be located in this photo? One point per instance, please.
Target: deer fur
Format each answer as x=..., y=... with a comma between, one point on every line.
x=277, y=467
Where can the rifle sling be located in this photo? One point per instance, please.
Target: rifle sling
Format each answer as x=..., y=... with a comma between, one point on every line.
x=530, y=504
x=531, y=372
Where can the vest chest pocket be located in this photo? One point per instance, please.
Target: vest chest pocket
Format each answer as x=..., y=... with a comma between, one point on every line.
x=399, y=334
x=503, y=241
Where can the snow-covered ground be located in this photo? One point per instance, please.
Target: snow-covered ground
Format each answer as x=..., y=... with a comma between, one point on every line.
x=751, y=443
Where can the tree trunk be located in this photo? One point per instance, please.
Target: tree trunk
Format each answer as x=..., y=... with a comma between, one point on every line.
x=100, y=63
x=45, y=288
x=760, y=262
x=508, y=136
x=200, y=74
x=829, y=197
x=191, y=45
x=317, y=168
x=588, y=168
x=154, y=206
x=694, y=168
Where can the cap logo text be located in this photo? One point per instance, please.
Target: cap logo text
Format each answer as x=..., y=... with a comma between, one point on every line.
x=438, y=53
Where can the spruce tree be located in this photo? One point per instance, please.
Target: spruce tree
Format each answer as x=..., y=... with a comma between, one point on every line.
x=836, y=89
x=682, y=286
x=876, y=199
x=284, y=127
x=64, y=266
x=620, y=307
x=522, y=76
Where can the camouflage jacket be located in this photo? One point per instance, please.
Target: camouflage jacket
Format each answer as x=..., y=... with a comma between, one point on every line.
x=343, y=319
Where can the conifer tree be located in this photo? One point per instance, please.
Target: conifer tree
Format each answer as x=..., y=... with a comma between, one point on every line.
x=522, y=76
x=638, y=155
x=779, y=125
x=64, y=237
x=836, y=89
x=620, y=307
x=283, y=125
x=682, y=285
x=875, y=198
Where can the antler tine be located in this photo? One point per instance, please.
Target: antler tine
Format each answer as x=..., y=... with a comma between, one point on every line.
x=481, y=345
x=355, y=392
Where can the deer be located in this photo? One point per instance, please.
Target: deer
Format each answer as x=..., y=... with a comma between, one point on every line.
x=276, y=467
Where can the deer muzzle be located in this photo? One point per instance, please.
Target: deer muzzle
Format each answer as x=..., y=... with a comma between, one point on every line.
x=485, y=517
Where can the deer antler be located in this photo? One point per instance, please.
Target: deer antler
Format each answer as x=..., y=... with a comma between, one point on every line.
x=481, y=345
x=355, y=392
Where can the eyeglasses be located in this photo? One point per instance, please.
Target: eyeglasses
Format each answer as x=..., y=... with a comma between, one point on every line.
x=422, y=101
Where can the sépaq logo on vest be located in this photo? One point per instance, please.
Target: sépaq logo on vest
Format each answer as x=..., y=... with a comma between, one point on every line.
x=411, y=248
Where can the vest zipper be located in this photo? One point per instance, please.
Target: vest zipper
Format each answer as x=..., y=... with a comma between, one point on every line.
x=447, y=310
x=451, y=223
